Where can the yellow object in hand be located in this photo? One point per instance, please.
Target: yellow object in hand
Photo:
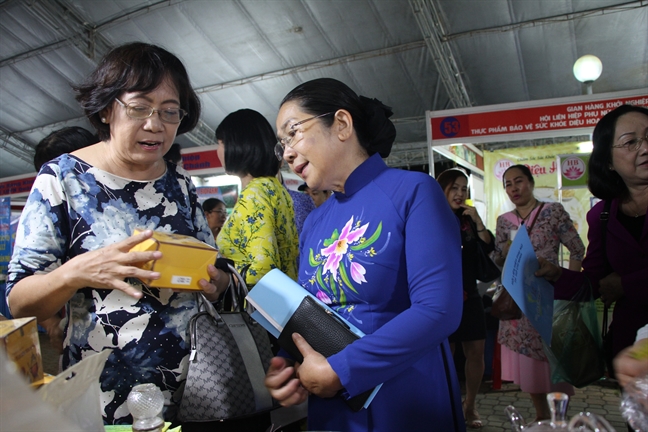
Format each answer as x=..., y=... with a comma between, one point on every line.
x=640, y=350
x=470, y=202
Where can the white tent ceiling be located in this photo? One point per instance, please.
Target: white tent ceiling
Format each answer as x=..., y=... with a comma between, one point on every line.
x=414, y=55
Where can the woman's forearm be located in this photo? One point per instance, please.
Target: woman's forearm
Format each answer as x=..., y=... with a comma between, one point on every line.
x=41, y=295
x=575, y=265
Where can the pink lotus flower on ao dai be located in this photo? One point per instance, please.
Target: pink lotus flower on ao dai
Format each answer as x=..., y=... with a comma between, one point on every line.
x=340, y=248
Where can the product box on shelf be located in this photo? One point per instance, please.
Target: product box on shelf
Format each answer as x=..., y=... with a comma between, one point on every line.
x=184, y=260
x=20, y=339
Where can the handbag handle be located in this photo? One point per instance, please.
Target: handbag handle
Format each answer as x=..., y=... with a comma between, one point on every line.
x=236, y=289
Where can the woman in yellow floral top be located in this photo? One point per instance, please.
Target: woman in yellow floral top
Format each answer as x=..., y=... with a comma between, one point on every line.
x=260, y=231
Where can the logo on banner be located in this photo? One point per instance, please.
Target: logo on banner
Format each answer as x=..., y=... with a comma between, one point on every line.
x=573, y=168
x=501, y=166
x=449, y=127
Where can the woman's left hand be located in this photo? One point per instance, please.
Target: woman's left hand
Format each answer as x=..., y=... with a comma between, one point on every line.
x=610, y=288
x=472, y=212
x=217, y=284
x=547, y=270
x=315, y=373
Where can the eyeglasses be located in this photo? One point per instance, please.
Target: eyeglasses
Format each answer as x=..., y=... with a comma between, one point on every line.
x=142, y=112
x=288, y=139
x=633, y=144
x=221, y=212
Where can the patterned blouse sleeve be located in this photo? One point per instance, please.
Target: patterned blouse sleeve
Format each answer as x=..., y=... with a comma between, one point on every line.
x=252, y=232
x=568, y=234
x=501, y=235
x=43, y=234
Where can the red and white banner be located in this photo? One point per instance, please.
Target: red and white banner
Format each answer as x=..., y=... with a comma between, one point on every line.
x=202, y=160
x=17, y=186
x=526, y=120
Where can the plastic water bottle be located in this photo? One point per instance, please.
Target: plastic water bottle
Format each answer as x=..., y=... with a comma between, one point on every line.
x=634, y=404
x=145, y=403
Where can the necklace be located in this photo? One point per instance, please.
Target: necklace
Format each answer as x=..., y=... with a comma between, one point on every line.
x=523, y=219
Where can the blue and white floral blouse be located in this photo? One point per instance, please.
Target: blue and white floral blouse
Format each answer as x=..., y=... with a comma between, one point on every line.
x=74, y=208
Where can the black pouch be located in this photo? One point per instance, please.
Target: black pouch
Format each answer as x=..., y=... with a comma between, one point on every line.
x=325, y=332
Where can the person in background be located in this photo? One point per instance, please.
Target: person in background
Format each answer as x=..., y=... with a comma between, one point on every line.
x=75, y=234
x=548, y=225
x=174, y=154
x=373, y=256
x=616, y=263
x=472, y=330
x=61, y=141
x=260, y=234
x=58, y=142
x=216, y=214
x=319, y=197
x=303, y=205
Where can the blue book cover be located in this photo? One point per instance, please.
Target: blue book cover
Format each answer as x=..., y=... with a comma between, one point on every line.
x=275, y=297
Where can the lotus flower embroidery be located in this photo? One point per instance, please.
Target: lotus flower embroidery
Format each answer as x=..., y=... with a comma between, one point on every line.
x=340, y=263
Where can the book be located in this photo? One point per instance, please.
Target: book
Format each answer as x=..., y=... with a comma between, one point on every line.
x=276, y=298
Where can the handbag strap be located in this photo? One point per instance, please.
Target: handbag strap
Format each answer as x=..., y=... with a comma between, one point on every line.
x=535, y=218
x=604, y=217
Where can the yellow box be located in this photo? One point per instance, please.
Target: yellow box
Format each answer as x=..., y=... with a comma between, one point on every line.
x=20, y=339
x=184, y=260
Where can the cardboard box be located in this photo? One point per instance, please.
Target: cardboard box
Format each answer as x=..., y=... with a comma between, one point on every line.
x=20, y=340
x=184, y=260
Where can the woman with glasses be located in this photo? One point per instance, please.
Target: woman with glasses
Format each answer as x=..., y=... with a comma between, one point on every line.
x=616, y=262
x=216, y=214
x=260, y=234
x=384, y=251
x=76, y=231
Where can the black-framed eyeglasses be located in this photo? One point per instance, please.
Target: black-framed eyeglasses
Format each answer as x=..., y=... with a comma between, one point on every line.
x=633, y=144
x=288, y=139
x=142, y=112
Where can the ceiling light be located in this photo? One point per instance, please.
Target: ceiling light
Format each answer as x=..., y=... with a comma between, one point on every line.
x=587, y=69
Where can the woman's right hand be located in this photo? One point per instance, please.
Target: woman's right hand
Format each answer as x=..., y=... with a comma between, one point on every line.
x=548, y=270
x=283, y=384
x=109, y=266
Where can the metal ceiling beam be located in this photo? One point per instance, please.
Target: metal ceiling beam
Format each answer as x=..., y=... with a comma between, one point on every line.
x=551, y=20
x=312, y=66
x=429, y=21
x=16, y=146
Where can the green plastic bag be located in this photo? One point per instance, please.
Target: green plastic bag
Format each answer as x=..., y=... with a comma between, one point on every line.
x=576, y=352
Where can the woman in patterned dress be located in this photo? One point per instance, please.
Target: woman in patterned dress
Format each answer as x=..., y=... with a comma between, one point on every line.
x=76, y=230
x=549, y=225
x=384, y=251
x=260, y=233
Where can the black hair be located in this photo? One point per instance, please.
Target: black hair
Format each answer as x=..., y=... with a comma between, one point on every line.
x=174, y=155
x=60, y=141
x=135, y=67
x=210, y=204
x=376, y=133
x=525, y=171
x=603, y=182
x=249, y=142
x=449, y=176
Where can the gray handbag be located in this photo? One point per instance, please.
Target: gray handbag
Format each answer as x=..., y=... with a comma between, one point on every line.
x=230, y=354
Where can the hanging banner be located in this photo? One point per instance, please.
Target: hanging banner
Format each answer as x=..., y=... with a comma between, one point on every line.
x=573, y=171
x=5, y=250
x=526, y=120
x=199, y=160
x=228, y=194
x=19, y=185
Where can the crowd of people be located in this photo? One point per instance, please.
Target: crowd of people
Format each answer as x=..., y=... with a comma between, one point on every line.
x=392, y=251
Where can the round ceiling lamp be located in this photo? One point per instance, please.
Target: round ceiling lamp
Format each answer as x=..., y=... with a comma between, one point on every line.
x=587, y=69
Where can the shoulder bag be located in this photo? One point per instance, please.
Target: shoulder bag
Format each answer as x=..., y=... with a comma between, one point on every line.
x=487, y=270
x=230, y=354
x=504, y=307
